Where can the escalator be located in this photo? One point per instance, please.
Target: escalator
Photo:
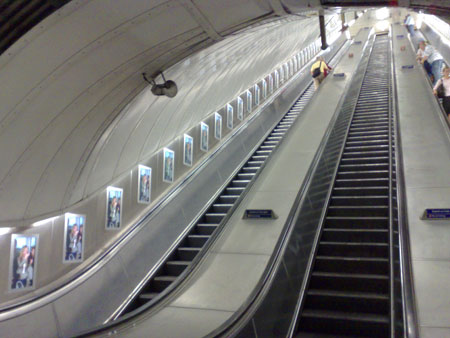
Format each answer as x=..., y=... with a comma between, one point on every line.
x=350, y=288
x=177, y=264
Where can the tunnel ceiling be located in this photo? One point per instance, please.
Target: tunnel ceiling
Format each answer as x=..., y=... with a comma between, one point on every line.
x=66, y=80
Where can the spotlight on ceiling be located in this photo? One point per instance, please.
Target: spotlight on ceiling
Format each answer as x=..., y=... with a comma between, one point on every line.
x=168, y=88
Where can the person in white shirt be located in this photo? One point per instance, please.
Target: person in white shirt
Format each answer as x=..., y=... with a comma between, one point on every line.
x=445, y=82
x=430, y=54
x=409, y=23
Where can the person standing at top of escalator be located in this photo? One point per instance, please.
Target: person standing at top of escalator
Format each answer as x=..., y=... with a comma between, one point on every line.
x=409, y=23
x=429, y=53
x=445, y=83
x=318, y=71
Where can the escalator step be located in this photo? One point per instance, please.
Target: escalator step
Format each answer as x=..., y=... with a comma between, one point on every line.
x=187, y=254
x=366, y=265
x=197, y=241
x=160, y=283
x=148, y=296
x=355, y=282
x=221, y=207
x=352, y=249
x=355, y=211
x=359, y=200
x=365, y=174
x=206, y=229
x=175, y=268
x=362, y=182
x=347, y=301
x=361, y=235
x=214, y=217
x=339, y=324
x=359, y=191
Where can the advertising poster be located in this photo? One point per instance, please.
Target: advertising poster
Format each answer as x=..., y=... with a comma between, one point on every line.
x=249, y=101
x=270, y=84
x=281, y=71
x=24, y=251
x=264, y=89
x=188, y=152
x=295, y=64
x=291, y=67
x=113, y=208
x=74, y=227
x=204, y=135
x=277, y=79
x=217, y=126
x=240, y=108
x=229, y=116
x=144, y=184
x=168, y=165
x=257, y=94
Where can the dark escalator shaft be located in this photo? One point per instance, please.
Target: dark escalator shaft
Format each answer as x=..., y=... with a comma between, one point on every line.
x=348, y=292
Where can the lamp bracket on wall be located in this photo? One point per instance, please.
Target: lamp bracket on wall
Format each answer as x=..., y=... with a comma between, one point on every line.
x=168, y=88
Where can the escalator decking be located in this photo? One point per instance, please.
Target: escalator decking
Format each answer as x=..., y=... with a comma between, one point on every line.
x=348, y=292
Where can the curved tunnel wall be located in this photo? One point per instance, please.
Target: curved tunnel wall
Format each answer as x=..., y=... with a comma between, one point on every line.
x=207, y=81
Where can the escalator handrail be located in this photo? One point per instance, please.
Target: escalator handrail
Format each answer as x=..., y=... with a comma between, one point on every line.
x=409, y=309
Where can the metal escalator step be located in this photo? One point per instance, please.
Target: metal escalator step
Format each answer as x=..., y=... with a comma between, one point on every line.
x=352, y=235
x=351, y=149
x=355, y=282
x=360, y=191
x=356, y=222
x=214, y=217
x=250, y=169
x=197, y=241
x=362, y=182
x=255, y=163
x=366, y=265
x=362, y=174
x=234, y=190
x=160, y=283
x=228, y=199
x=245, y=176
x=347, y=316
x=357, y=211
x=187, y=253
x=352, y=249
x=344, y=324
x=240, y=183
x=364, y=154
x=206, y=229
x=347, y=301
x=175, y=268
x=362, y=143
x=356, y=200
x=364, y=160
x=221, y=207
x=148, y=296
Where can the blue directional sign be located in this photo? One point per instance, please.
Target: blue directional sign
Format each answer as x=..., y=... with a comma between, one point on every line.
x=437, y=214
x=401, y=36
x=259, y=213
x=408, y=67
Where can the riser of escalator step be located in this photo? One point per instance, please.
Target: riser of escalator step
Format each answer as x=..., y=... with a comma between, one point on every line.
x=361, y=191
x=353, y=249
x=341, y=327
x=355, y=235
x=205, y=229
x=354, y=183
x=343, y=167
x=355, y=211
x=350, y=282
x=356, y=222
x=365, y=265
x=347, y=302
x=359, y=200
